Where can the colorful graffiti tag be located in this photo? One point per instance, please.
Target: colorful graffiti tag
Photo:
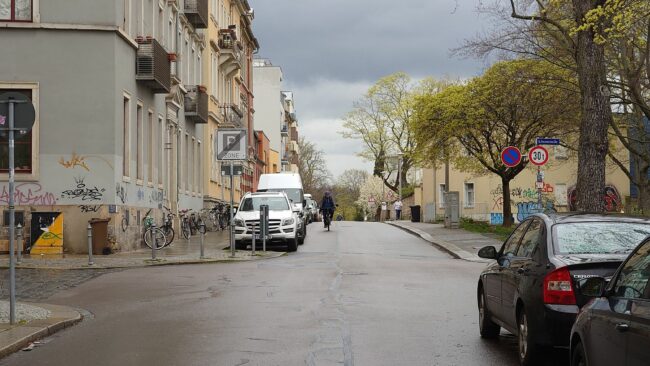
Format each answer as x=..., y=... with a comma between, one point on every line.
x=50, y=241
x=611, y=199
x=28, y=194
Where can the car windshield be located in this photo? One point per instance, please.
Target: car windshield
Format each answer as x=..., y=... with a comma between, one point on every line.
x=274, y=203
x=294, y=194
x=599, y=237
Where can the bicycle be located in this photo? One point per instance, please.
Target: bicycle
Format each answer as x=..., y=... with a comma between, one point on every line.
x=327, y=218
x=186, y=230
x=196, y=224
x=153, y=234
x=168, y=226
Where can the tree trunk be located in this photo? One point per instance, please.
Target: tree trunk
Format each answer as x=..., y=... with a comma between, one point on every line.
x=596, y=114
x=507, y=210
x=644, y=199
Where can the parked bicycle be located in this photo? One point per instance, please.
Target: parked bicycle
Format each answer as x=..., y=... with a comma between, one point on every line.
x=168, y=225
x=153, y=234
x=186, y=230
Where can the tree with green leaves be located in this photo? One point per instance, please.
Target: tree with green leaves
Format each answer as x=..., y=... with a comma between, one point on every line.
x=312, y=167
x=512, y=104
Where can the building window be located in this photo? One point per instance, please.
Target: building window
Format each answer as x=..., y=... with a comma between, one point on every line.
x=16, y=10
x=139, y=141
x=198, y=162
x=441, y=194
x=126, y=118
x=213, y=73
x=126, y=22
x=22, y=143
x=186, y=167
x=469, y=194
x=151, y=144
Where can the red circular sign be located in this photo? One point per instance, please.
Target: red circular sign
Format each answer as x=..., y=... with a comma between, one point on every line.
x=511, y=156
x=538, y=155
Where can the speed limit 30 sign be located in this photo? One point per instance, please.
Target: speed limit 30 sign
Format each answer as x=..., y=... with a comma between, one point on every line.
x=538, y=155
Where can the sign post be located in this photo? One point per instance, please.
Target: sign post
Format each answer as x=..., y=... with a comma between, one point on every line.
x=231, y=146
x=538, y=155
x=18, y=111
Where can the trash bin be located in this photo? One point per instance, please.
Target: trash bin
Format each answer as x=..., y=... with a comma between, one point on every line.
x=99, y=229
x=415, y=213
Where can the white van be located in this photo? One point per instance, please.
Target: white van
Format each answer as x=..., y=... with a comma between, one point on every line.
x=291, y=184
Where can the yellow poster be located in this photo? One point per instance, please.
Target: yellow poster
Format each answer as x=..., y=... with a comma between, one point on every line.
x=51, y=239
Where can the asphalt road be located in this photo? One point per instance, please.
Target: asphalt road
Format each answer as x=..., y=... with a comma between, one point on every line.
x=362, y=294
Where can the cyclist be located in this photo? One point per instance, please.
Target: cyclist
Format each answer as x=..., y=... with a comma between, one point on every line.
x=327, y=207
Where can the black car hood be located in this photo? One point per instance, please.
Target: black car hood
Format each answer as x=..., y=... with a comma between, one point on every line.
x=570, y=259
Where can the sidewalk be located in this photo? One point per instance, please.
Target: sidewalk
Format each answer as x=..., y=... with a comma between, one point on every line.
x=459, y=243
x=180, y=251
x=33, y=322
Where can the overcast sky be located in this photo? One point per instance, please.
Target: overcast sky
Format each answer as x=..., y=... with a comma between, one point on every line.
x=332, y=51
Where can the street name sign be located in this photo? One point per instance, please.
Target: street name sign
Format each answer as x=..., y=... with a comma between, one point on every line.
x=538, y=155
x=546, y=141
x=511, y=156
x=24, y=112
x=231, y=144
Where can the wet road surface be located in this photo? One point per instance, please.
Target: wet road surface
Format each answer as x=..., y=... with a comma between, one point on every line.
x=362, y=294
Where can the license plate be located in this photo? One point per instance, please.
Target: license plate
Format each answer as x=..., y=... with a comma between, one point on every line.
x=258, y=237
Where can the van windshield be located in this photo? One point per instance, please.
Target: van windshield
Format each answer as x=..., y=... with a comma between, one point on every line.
x=274, y=203
x=294, y=194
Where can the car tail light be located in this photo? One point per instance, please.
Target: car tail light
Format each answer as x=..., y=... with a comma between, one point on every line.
x=558, y=288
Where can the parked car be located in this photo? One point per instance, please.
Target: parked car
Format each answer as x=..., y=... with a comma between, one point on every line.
x=312, y=205
x=291, y=184
x=614, y=328
x=283, y=221
x=529, y=288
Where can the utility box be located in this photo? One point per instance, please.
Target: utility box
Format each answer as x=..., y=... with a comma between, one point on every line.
x=452, y=210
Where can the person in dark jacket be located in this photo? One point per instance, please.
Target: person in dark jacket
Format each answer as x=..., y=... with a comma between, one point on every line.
x=327, y=207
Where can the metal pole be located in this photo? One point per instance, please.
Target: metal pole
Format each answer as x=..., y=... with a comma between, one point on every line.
x=202, y=241
x=399, y=179
x=12, y=219
x=539, y=188
x=259, y=226
x=232, y=204
x=266, y=222
x=90, y=245
x=154, y=239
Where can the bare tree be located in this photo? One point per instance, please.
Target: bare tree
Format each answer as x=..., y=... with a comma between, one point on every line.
x=312, y=167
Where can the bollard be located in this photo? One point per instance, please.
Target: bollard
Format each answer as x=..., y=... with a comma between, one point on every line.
x=202, y=240
x=19, y=244
x=154, y=239
x=90, y=245
x=264, y=225
x=253, y=235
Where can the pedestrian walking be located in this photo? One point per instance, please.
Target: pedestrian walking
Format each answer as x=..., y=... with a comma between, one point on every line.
x=398, y=209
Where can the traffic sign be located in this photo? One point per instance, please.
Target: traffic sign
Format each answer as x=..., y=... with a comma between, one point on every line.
x=24, y=112
x=538, y=155
x=511, y=156
x=231, y=144
x=546, y=141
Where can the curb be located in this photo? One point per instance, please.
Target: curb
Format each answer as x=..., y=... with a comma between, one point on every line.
x=149, y=263
x=45, y=331
x=450, y=248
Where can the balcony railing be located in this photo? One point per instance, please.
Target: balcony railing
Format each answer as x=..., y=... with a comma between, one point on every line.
x=196, y=104
x=295, y=159
x=196, y=12
x=152, y=65
x=231, y=55
x=284, y=131
x=294, y=134
x=233, y=114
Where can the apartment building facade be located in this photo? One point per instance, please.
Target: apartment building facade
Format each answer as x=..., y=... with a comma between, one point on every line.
x=276, y=113
x=120, y=110
x=228, y=78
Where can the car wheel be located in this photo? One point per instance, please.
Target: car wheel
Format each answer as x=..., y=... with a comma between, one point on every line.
x=487, y=327
x=527, y=347
x=301, y=240
x=239, y=245
x=292, y=245
x=578, y=356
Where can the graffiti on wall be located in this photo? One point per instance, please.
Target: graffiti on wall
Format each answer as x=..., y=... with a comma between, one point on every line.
x=140, y=194
x=120, y=191
x=156, y=196
x=28, y=194
x=496, y=218
x=89, y=208
x=525, y=209
x=83, y=192
x=75, y=160
x=611, y=199
x=50, y=239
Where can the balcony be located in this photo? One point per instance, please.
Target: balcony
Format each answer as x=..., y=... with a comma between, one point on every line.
x=152, y=65
x=231, y=56
x=233, y=114
x=196, y=12
x=293, y=147
x=294, y=134
x=285, y=159
x=295, y=159
x=284, y=131
x=196, y=104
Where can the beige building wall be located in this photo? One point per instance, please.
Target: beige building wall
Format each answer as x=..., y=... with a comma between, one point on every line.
x=274, y=161
x=560, y=176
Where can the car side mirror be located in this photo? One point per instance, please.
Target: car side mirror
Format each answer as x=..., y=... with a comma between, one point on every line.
x=304, y=203
x=234, y=211
x=592, y=286
x=489, y=252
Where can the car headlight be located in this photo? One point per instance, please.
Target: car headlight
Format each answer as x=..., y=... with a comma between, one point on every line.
x=240, y=223
x=288, y=221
